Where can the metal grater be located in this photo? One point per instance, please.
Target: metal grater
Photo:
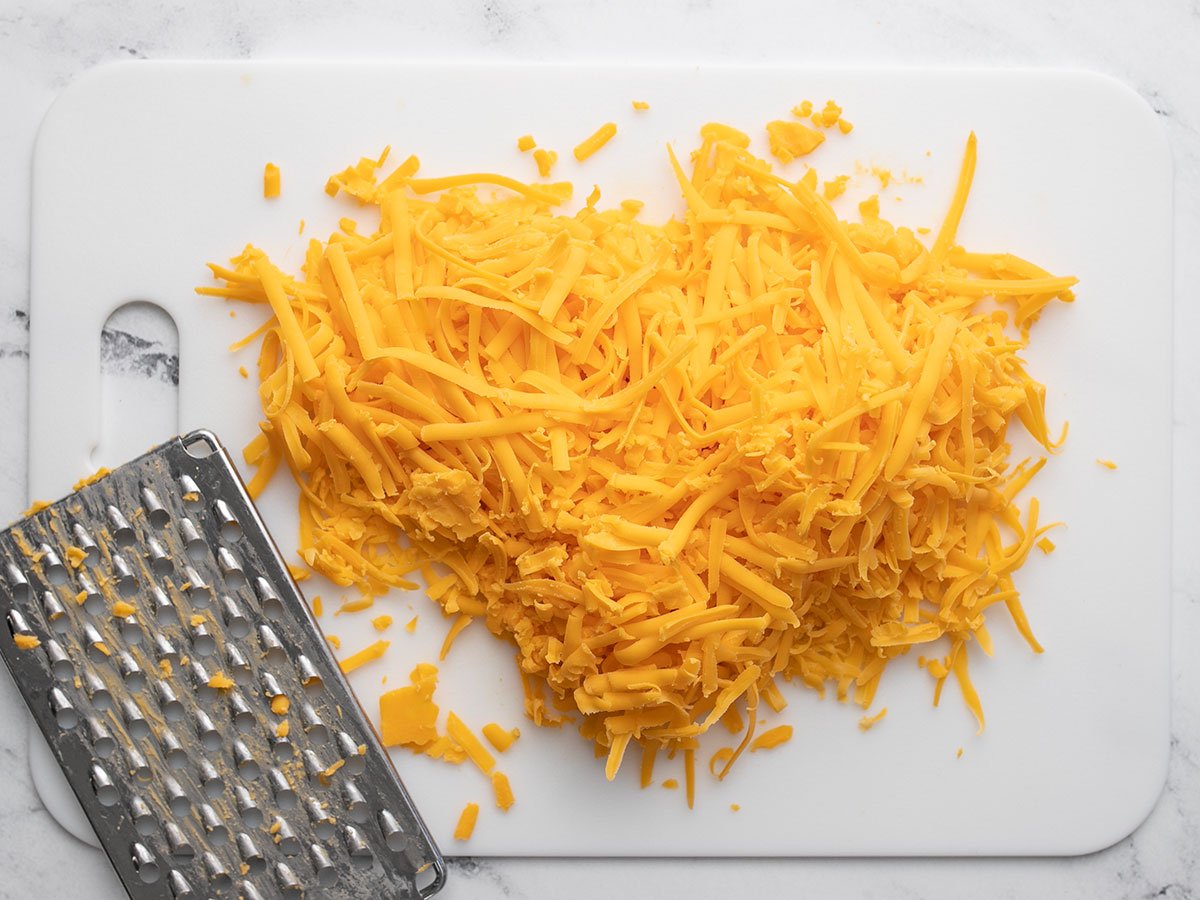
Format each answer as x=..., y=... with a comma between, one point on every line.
x=192, y=789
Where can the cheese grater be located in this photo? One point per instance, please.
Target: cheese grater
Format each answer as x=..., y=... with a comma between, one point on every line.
x=190, y=698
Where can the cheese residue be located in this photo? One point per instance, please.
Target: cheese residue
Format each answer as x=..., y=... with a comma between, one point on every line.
x=466, y=822
x=1106, y=463
x=76, y=557
x=789, y=140
x=220, y=681
x=123, y=610
x=381, y=623
x=673, y=463
x=525, y=143
x=26, y=641
x=641, y=105
x=280, y=704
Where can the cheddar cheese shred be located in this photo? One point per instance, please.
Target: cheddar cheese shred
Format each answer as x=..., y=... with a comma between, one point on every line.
x=673, y=463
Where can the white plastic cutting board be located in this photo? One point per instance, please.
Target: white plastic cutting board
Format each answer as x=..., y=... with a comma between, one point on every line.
x=145, y=171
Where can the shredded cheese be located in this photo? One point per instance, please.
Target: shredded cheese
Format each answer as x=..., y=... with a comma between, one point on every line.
x=123, y=609
x=595, y=141
x=364, y=656
x=502, y=789
x=26, y=641
x=465, y=738
x=381, y=623
x=525, y=143
x=673, y=463
x=1106, y=463
x=280, y=704
x=641, y=105
x=500, y=738
x=771, y=739
x=270, y=180
x=545, y=160
x=867, y=722
x=789, y=140
x=466, y=822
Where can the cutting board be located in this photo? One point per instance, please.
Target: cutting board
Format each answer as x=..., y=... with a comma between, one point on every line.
x=145, y=171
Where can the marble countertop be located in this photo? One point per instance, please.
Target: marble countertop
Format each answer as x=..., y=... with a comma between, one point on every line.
x=45, y=44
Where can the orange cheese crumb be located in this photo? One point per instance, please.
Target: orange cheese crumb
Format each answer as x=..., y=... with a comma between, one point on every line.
x=381, y=623
x=270, y=180
x=958, y=753
x=364, y=656
x=545, y=160
x=220, y=681
x=242, y=371
x=1107, y=463
x=298, y=573
x=411, y=625
x=334, y=641
x=804, y=110
x=835, y=187
x=770, y=739
x=640, y=105
x=500, y=738
x=735, y=807
x=282, y=729
x=670, y=784
x=466, y=822
x=1046, y=545
x=789, y=140
x=36, y=507
x=867, y=722
x=595, y=141
x=75, y=557
x=502, y=790
x=280, y=704
x=408, y=715
x=164, y=666
x=525, y=143
x=197, y=620
x=26, y=641
x=102, y=647
x=123, y=610
x=328, y=774
x=318, y=606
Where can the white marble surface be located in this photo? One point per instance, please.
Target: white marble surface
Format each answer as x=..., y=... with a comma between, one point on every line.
x=44, y=44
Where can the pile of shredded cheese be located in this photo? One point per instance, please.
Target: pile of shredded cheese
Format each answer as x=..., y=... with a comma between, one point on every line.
x=672, y=463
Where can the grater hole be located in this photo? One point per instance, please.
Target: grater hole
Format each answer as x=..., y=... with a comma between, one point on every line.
x=161, y=565
x=324, y=830
x=210, y=741
x=282, y=751
x=213, y=788
x=144, y=824
x=362, y=859
x=145, y=865
x=106, y=792
x=135, y=681
x=128, y=587
x=197, y=549
x=326, y=877
x=130, y=630
x=173, y=711
x=102, y=699
x=255, y=866
x=20, y=592
x=63, y=670
x=56, y=574
x=139, y=729
x=60, y=624
x=272, y=608
x=93, y=605
x=177, y=758
x=252, y=816
x=166, y=615
x=204, y=645
x=199, y=445
x=180, y=805
x=159, y=518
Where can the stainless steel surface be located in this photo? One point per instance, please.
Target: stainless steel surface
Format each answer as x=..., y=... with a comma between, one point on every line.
x=192, y=784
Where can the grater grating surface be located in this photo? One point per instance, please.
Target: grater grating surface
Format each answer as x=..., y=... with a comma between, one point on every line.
x=197, y=789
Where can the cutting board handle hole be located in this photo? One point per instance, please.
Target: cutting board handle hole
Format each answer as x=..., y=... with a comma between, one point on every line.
x=139, y=381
